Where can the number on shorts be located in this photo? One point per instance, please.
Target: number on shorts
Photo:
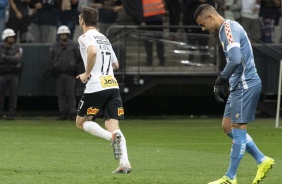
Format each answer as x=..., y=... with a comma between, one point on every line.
x=80, y=104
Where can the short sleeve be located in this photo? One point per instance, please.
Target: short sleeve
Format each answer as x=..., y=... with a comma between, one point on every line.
x=86, y=40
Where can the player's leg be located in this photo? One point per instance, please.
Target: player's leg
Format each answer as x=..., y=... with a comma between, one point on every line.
x=251, y=147
x=248, y=103
x=88, y=107
x=119, y=145
x=114, y=112
x=86, y=124
x=266, y=163
x=237, y=152
x=239, y=132
x=239, y=136
x=113, y=127
x=236, y=131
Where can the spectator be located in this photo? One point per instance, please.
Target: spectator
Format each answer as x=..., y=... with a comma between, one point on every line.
x=19, y=17
x=82, y=4
x=231, y=9
x=150, y=13
x=194, y=40
x=65, y=57
x=3, y=5
x=108, y=13
x=130, y=7
x=42, y=20
x=250, y=19
x=10, y=67
x=174, y=10
x=269, y=13
x=67, y=14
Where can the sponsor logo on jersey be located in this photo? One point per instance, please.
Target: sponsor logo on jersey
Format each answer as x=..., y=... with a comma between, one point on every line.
x=108, y=81
x=92, y=111
x=120, y=111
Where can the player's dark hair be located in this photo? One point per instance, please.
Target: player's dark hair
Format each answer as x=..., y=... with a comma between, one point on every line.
x=90, y=16
x=201, y=9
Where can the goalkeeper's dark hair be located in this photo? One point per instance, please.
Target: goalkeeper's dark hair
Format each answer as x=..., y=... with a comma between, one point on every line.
x=203, y=9
x=90, y=16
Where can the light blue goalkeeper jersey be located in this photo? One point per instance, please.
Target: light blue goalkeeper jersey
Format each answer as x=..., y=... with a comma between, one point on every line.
x=240, y=68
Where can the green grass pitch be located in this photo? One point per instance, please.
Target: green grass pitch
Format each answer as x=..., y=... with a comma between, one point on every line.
x=168, y=150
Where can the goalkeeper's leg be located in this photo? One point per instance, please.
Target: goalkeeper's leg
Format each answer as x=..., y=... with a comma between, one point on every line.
x=264, y=163
x=251, y=147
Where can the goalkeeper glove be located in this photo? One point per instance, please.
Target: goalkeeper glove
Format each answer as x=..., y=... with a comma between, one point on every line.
x=219, y=93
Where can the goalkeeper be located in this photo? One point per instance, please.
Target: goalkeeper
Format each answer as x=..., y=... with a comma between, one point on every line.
x=245, y=87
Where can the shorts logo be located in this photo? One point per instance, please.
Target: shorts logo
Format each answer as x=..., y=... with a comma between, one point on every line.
x=120, y=111
x=92, y=111
x=237, y=115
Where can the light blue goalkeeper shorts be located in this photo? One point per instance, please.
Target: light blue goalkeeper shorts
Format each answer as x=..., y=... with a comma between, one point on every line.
x=241, y=104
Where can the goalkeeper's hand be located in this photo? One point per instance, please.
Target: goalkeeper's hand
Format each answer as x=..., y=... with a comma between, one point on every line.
x=219, y=93
x=218, y=90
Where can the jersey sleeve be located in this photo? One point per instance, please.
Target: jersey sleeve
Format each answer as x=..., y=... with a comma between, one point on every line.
x=87, y=40
x=232, y=34
x=230, y=37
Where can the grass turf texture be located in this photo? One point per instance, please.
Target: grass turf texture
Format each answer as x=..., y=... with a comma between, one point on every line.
x=191, y=151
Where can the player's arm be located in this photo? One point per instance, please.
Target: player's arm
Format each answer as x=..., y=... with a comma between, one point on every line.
x=234, y=59
x=231, y=36
x=115, y=65
x=91, y=59
x=114, y=60
x=232, y=40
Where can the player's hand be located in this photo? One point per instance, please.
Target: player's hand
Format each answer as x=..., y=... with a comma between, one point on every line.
x=219, y=93
x=83, y=77
x=218, y=89
x=220, y=81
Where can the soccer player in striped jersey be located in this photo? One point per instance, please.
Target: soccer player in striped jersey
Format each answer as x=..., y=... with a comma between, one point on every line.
x=245, y=87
